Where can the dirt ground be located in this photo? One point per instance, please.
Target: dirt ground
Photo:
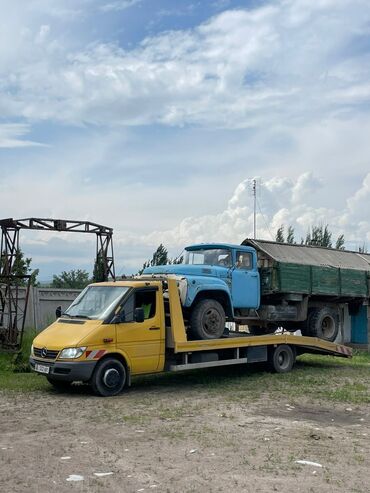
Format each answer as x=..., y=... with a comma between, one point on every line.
x=164, y=437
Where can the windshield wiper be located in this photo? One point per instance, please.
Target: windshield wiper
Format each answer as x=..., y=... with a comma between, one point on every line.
x=77, y=316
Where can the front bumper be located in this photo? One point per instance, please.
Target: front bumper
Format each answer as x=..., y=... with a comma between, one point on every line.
x=67, y=371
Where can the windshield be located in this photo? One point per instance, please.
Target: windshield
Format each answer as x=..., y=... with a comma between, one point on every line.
x=96, y=302
x=208, y=256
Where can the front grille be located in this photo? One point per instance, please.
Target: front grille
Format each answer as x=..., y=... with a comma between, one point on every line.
x=49, y=353
x=62, y=371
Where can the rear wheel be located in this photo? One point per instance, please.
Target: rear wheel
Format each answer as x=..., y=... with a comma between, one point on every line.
x=207, y=320
x=323, y=323
x=109, y=377
x=282, y=359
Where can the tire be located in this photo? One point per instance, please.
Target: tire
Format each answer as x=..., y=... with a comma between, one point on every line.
x=60, y=385
x=282, y=359
x=324, y=324
x=256, y=330
x=109, y=377
x=207, y=320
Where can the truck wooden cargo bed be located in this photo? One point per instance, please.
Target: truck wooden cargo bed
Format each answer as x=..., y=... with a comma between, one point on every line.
x=308, y=270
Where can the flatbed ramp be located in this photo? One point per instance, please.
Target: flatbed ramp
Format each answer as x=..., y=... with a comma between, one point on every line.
x=307, y=344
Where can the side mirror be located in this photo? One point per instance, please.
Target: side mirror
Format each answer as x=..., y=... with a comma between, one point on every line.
x=58, y=311
x=139, y=315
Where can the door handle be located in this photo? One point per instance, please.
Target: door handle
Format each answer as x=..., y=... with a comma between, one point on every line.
x=153, y=328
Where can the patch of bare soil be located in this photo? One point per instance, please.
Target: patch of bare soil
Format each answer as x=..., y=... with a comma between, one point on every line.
x=166, y=439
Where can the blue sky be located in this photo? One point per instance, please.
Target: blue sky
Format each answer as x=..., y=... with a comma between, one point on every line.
x=153, y=117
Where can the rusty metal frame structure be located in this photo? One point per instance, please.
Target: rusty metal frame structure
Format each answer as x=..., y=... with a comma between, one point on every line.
x=12, y=316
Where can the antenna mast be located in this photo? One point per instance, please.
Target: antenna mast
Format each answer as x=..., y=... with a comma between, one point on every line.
x=254, y=188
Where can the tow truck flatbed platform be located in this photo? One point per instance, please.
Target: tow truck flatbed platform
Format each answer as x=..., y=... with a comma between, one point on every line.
x=106, y=351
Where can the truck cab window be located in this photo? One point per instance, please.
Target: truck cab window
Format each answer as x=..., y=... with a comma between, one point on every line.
x=146, y=299
x=208, y=256
x=243, y=260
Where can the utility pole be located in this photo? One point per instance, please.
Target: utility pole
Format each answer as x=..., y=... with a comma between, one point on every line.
x=254, y=188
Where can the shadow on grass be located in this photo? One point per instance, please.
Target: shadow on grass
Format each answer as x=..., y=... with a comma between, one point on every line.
x=251, y=379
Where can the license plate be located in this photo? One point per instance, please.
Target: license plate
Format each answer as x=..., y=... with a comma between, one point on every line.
x=42, y=368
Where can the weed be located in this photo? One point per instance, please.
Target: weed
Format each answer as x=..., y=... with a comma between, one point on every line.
x=18, y=362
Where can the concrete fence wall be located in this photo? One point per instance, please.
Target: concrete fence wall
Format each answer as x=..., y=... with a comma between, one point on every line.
x=42, y=304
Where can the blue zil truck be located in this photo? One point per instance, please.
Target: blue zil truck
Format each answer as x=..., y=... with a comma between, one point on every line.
x=268, y=285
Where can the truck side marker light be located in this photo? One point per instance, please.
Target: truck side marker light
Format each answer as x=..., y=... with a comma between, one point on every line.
x=96, y=354
x=108, y=339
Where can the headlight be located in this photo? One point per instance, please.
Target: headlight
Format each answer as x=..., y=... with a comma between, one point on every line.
x=72, y=352
x=32, y=350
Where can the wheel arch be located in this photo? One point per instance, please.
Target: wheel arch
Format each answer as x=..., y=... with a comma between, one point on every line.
x=123, y=359
x=219, y=295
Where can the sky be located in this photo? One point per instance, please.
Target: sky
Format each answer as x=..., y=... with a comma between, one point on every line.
x=154, y=116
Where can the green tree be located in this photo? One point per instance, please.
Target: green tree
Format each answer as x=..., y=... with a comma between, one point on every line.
x=21, y=267
x=319, y=236
x=160, y=257
x=362, y=248
x=73, y=279
x=326, y=237
x=316, y=236
x=177, y=260
x=280, y=234
x=339, y=244
x=145, y=265
x=99, y=269
x=290, y=235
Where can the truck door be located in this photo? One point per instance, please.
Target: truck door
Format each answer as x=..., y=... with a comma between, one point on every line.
x=245, y=287
x=141, y=341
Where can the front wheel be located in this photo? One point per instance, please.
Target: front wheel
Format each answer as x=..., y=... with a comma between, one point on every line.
x=207, y=320
x=109, y=377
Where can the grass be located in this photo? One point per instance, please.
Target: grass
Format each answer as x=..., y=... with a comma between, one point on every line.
x=314, y=377
x=18, y=362
x=22, y=382
x=15, y=371
x=318, y=377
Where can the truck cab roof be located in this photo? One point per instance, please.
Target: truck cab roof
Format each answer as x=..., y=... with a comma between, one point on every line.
x=203, y=246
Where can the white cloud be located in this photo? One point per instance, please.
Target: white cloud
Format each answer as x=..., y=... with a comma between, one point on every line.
x=278, y=204
x=43, y=33
x=135, y=214
x=119, y=5
x=11, y=136
x=278, y=91
x=287, y=62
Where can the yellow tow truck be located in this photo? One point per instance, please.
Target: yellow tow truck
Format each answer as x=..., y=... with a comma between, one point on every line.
x=116, y=330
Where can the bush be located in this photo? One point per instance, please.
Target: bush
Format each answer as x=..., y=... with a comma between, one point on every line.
x=18, y=362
